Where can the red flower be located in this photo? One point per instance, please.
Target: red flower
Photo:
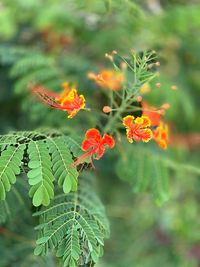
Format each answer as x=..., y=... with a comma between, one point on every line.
x=68, y=100
x=95, y=145
x=137, y=129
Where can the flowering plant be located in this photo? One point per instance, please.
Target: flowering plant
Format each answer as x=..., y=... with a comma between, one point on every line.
x=124, y=87
x=91, y=144
x=125, y=123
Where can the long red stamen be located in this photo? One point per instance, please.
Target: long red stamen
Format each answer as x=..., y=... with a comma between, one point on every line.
x=82, y=157
x=42, y=90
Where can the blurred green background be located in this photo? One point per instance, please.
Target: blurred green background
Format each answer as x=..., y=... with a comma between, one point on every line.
x=53, y=41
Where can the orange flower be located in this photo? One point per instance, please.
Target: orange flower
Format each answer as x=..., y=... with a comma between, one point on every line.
x=138, y=128
x=68, y=100
x=160, y=135
x=95, y=145
x=151, y=112
x=110, y=79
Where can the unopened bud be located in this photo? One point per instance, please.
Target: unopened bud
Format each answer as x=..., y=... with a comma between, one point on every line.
x=109, y=56
x=174, y=87
x=165, y=106
x=91, y=76
x=123, y=65
x=158, y=85
x=145, y=88
x=114, y=52
x=157, y=64
x=106, y=109
x=139, y=98
x=65, y=85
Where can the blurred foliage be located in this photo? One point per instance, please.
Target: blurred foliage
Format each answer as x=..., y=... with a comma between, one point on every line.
x=53, y=41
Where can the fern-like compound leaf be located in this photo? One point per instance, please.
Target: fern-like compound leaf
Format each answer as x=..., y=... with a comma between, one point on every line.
x=40, y=174
x=45, y=156
x=10, y=162
x=74, y=225
x=63, y=169
x=5, y=140
x=74, y=145
x=16, y=202
x=27, y=63
x=145, y=171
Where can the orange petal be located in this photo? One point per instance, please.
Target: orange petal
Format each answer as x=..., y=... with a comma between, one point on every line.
x=152, y=113
x=129, y=135
x=128, y=120
x=147, y=135
x=108, y=140
x=162, y=144
x=86, y=144
x=100, y=152
x=93, y=133
x=146, y=121
x=161, y=135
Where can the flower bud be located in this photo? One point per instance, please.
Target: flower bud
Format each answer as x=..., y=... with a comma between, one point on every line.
x=109, y=56
x=158, y=85
x=139, y=98
x=91, y=76
x=165, y=106
x=65, y=85
x=145, y=88
x=123, y=65
x=106, y=109
x=174, y=87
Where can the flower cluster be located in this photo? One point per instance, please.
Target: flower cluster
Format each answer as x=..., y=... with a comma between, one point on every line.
x=148, y=126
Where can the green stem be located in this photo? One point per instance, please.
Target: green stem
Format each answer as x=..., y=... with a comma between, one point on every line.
x=129, y=96
x=112, y=120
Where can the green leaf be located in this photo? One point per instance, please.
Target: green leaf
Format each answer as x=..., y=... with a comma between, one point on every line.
x=74, y=144
x=64, y=171
x=38, y=250
x=71, y=222
x=41, y=176
x=42, y=240
x=47, y=158
x=41, y=196
x=145, y=170
x=10, y=162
